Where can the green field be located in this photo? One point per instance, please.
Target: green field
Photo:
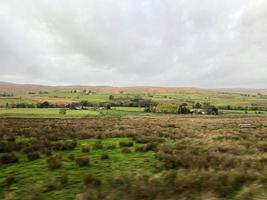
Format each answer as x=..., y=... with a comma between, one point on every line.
x=129, y=109
x=15, y=100
x=45, y=112
x=215, y=98
x=36, y=174
x=76, y=96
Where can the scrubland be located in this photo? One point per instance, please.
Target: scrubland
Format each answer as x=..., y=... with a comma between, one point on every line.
x=150, y=157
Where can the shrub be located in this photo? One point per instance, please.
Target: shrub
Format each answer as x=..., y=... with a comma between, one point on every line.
x=48, y=152
x=98, y=145
x=250, y=192
x=104, y=156
x=126, y=144
x=64, y=179
x=10, y=179
x=54, y=162
x=85, y=148
x=82, y=162
x=10, y=138
x=148, y=139
x=50, y=185
x=126, y=150
x=66, y=145
x=140, y=148
x=152, y=146
x=71, y=157
x=33, y=156
x=91, y=180
x=111, y=147
x=9, y=158
x=6, y=147
x=148, y=147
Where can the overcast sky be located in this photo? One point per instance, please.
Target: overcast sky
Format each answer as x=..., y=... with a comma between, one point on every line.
x=203, y=43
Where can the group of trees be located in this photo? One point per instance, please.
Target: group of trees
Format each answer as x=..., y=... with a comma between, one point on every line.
x=20, y=105
x=129, y=102
x=183, y=108
x=6, y=95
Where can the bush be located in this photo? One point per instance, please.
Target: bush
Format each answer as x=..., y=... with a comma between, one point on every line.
x=98, y=145
x=64, y=179
x=82, y=162
x=151, y=146
x=66, y=145
x=71, y=157
x=126, y=144
x=54, y=162
x=140, y=148
x=251, y=192
x=6, y=147
x=10, y=179
x=50, y=185
x=126, y=150
x=33, y=156
x=111, y=147
x=10, y=138
x=85, y=148
x=148, y=139
x=104, y=156
x=91, y=180
x=148, y=147
x=9, y=158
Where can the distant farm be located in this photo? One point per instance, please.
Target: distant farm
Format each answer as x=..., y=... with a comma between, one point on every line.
x=33, y=100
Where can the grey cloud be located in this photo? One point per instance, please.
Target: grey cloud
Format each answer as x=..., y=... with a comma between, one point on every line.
x=209, y=43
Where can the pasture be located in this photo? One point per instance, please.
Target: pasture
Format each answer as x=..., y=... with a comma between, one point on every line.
x=45, y=112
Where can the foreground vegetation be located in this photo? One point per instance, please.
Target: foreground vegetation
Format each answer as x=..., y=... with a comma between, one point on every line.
x=161, y=157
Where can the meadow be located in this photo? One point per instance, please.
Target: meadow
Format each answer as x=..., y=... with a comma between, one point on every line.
x=138, y=157
x=45, y=112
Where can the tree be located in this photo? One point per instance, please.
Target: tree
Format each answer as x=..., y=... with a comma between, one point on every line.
x=108, y=106
x=111, y=97
x=198, y=105
x=210, y=109
x=183, y=109
x=44, y=105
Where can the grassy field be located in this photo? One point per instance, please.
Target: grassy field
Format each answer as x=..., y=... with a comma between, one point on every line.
x=36, y=174
x=160, y=157
x=115, y=111
x=37, y=112
x=15, y=100
x=76, y=96
x=215, y=98
x=129, y=109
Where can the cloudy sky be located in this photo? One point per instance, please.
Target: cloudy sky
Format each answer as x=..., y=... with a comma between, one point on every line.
x=207, y=43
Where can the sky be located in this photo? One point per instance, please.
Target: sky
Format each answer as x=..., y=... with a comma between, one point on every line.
x=181, y=43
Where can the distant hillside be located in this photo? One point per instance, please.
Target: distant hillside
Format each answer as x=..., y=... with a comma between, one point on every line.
x=25, y=88
x=245, y=91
